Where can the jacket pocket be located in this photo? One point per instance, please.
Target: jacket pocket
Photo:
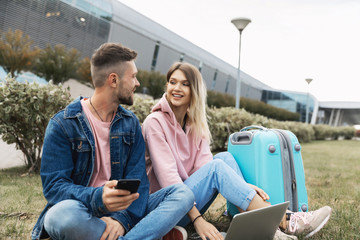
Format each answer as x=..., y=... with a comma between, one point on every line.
x=126, y=143
x=81, y=159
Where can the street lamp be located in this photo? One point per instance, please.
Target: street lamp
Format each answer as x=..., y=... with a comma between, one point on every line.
x=308, y=80
x=240, y=24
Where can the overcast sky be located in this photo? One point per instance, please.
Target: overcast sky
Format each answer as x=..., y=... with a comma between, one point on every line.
x=286, y=42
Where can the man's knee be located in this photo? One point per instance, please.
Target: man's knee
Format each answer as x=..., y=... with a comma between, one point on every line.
x=63, y=215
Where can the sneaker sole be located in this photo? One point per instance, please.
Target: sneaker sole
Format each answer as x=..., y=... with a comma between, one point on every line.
x=319, y=227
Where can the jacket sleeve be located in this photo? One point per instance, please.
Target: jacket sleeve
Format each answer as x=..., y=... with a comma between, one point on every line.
x=57, y=170
x=163, y=162
x=135, y=169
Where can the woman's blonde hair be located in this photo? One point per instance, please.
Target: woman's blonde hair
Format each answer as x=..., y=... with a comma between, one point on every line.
x=197, y=109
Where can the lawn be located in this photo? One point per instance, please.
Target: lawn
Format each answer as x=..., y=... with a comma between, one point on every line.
x=332, y=170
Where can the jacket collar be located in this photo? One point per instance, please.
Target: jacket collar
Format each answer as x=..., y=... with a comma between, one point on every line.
x=74, y=109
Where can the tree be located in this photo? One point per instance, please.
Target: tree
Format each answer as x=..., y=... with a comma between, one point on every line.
x=25, y=109
x=16, y=53
x=57, y=63
x=84, y=72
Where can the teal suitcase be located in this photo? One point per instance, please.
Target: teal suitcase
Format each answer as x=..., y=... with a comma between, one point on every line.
x=271, y=159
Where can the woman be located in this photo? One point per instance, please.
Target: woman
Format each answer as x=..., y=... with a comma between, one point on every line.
x=177, y=140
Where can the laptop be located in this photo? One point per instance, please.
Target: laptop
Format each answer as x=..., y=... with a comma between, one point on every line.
x=257, y=224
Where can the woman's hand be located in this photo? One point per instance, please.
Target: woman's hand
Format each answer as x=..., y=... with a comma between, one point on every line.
x=260, y=192
x=206, y=230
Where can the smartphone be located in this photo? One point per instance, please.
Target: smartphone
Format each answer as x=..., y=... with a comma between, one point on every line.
x=131, y=185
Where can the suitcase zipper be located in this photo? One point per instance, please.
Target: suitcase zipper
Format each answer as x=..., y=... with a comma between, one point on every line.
x=287, y=159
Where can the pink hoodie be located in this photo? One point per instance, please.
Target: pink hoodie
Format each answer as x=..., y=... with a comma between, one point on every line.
x=171, y=154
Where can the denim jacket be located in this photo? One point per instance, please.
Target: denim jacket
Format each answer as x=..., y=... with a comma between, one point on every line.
x=68, y=160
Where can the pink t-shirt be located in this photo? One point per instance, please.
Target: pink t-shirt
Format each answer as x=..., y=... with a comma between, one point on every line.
x=101, y=131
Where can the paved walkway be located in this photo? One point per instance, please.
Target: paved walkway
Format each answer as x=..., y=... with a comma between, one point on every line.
x=10, y=157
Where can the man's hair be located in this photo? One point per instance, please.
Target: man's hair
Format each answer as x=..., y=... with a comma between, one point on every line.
x=109, y=58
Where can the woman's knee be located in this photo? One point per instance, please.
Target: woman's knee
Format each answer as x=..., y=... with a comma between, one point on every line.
x=183, y=192
x=229, y=159
x=224, y=155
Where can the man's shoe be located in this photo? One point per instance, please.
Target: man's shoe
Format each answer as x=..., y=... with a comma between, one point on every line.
x=177, y=233
x=308, y=223
x=279, y=235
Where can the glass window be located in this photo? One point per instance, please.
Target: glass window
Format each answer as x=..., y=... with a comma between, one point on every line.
x=155, y=56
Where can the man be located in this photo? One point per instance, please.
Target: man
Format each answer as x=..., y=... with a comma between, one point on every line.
x=90, y=145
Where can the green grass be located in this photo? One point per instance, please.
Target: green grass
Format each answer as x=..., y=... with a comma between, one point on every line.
x=21, y=202
x=332, y=170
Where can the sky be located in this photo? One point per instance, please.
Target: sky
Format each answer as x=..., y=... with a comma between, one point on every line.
x=286, y=42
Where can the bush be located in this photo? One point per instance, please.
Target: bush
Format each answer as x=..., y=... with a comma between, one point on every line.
x=346, y=132
x=151, y=83
x=25, y=109
x=216, y=99
x=323, y=132
x=268, y=110
x=141, y=107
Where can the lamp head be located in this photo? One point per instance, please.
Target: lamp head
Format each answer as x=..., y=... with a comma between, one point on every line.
x=308, y=80
x=241, y=23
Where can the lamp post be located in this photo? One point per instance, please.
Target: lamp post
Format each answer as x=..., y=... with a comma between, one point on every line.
x=240, y=24
x=308, y=80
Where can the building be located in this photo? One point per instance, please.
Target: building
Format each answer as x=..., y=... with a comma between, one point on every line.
x=85, y=25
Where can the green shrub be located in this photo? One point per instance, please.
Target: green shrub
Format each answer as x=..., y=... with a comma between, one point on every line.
x=153, y=82
x=323, y=132
x=347, y=132
x=268, y=110
x=217, y=99
x=141, y=107
x=25, y=109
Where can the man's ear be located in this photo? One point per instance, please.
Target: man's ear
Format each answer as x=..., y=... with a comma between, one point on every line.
x=112, y=79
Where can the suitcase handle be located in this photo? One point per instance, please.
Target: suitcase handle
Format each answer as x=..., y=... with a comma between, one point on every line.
x=241, y=138
x=253, y=127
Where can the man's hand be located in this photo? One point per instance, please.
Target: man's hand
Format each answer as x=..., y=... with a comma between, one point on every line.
x=117, y=199
x=113, y=229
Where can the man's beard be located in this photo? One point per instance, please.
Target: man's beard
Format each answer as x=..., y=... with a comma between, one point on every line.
x=129, y=100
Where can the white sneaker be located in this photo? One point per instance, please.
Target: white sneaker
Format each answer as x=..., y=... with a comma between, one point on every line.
x=308, y=223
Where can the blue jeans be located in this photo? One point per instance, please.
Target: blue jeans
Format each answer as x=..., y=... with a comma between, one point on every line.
x=222, y=175
x=70, y=219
